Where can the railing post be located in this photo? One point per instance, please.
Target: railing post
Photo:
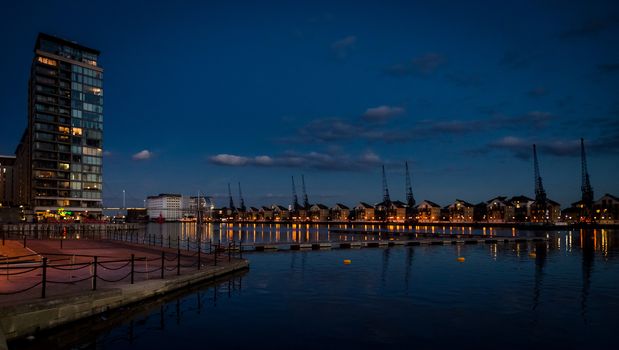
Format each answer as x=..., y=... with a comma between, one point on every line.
x=162, y=263
x=44, y=278
x=229, y=251
x=241, y=249
x=169, y=241
x=94, y=274
x=199, y=256
x=24, y=239
x=216, y=253
x=132, y=266
x=178, y=261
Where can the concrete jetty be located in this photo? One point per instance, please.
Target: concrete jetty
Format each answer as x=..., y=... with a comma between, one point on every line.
x=26, y=312
x=280, y=246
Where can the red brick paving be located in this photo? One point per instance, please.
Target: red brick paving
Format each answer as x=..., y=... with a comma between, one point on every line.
x=77, y=279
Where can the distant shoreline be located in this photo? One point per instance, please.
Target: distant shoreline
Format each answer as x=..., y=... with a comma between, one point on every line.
x=519, y=226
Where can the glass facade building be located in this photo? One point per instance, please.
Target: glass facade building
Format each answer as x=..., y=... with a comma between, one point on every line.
x=59, y=159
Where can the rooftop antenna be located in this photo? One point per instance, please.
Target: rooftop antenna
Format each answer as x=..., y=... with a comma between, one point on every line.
x=410, y=200
x=540, y=194
x=306, y=203
x=242, y=205
x=231, y=205
x=587, y=190
x=295, y=199
x=386, y=197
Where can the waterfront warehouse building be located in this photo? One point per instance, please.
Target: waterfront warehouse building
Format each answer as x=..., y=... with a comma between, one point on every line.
x=59, y=158
x=167, y=206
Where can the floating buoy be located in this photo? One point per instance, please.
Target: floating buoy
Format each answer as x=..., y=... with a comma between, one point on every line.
x=460, y=259
x=532, y=255
x=347, y=261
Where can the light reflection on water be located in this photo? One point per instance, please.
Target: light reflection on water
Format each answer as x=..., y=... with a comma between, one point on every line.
x=265, y=232
x=563, y=293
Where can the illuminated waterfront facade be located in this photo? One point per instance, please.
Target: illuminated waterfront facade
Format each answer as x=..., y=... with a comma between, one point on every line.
x=168, y=207
x=59, y=158
x=7, y=178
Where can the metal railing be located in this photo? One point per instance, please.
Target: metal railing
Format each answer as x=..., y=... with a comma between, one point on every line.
x=109, y=269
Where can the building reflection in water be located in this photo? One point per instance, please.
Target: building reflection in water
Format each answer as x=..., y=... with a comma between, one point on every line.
x=541, y=253
x=409, y=266
x=588, y=246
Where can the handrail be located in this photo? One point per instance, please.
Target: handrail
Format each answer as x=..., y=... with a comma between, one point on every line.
x=178, y=261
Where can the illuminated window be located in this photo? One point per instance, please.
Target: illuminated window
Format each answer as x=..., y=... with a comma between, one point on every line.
x=63, y=166
x=77, y=131
x=47, y=61
x=63, y=129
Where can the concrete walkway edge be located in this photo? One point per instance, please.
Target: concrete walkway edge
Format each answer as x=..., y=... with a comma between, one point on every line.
x=21, y=320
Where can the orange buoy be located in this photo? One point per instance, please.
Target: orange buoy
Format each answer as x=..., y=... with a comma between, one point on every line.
x=347, y=262
x=460, y=259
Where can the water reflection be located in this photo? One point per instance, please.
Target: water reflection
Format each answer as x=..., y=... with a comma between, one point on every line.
x=541, y=251
x=299, y=233
x=588, y=245
x=392, y=297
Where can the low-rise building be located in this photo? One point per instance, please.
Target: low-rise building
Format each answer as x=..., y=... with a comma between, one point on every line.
x=397, y=211
x=548, y=212
x=280, y=213
x=428, y=211
x=340, y=212
x=167, y=206
x=252, y=214
x=571, y=215
x=522, y=208
x=364, y=212
x=480, y=212
x=606, y=209
x=319, y=212
x=500, y=210
x=460, y=211
x=265, y=213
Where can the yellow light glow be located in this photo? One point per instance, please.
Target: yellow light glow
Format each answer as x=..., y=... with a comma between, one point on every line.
x=47, y=61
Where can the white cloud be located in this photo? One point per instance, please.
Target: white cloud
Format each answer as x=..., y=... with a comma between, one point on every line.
x=142, y=155
x=229, y=159
x=382, y=113
x=331, y=160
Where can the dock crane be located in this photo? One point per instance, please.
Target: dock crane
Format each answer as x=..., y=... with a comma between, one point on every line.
x=242, y=201
x=386, y=198
x=295, y=198
x=410, y=199
x=231, y=204
x=306, y=203
x=587, y=190
x=540, y=206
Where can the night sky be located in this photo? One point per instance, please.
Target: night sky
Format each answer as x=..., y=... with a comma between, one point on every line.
x=199, y=94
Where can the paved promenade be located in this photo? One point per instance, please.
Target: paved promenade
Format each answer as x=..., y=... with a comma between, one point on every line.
x=71, y=291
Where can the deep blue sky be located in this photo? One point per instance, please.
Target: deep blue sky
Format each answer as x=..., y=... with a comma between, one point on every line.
x=220, y=92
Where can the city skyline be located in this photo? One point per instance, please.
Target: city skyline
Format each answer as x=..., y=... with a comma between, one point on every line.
x=219, y=93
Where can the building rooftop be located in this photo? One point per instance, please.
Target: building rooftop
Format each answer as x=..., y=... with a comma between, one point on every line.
x=73, y=44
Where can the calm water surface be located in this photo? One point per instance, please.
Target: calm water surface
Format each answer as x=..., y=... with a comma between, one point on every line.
x=270, y=232
x=565, y=296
